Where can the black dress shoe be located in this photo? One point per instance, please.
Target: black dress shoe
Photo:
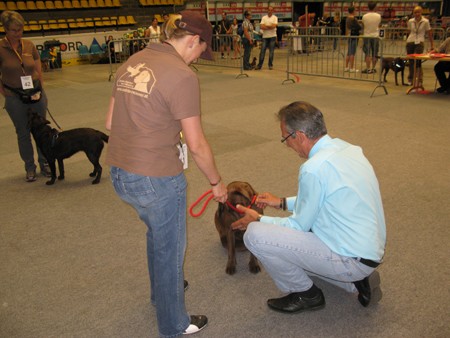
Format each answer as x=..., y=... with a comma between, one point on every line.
x=369, y=289
x=295, y=302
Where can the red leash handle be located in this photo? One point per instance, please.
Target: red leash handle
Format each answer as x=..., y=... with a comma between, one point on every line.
x=205, y=204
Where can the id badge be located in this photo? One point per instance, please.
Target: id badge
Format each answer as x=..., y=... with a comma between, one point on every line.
x=27, y=82
x=183, y=156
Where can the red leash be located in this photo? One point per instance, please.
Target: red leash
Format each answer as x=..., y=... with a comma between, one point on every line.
x=205, y=204
x=242, y=212
x=191, y=212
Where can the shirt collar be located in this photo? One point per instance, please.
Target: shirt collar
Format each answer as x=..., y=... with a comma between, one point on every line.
x=165, y=48
x=323, y=141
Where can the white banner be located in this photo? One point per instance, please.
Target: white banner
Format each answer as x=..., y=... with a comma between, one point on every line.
x=68, y=44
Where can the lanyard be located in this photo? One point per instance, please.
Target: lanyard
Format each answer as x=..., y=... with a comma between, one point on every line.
x=417, y=27
x=19, y=56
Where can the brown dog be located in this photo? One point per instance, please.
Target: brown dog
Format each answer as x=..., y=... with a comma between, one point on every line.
x=238, y=193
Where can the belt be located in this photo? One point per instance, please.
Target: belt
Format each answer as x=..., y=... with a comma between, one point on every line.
x=368, y=262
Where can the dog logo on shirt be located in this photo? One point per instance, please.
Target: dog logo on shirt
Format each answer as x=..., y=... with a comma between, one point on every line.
x=138, y=80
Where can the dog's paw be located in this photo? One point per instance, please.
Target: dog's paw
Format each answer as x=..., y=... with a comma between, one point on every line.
x=51, y=182
x=254, y=268
x=92, y=174
x=231, y=270
x=61, y=177
x=96, y=181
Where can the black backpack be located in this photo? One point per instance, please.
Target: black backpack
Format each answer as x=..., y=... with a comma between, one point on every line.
x=355, y=28
x=240, y=30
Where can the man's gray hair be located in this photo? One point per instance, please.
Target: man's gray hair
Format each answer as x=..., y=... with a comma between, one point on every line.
x=304, y=117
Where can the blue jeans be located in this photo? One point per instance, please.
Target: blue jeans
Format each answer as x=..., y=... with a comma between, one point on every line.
x=161, y=205
x=247, y=52
x=292, y=256
x=271, y=43
x=18, y=112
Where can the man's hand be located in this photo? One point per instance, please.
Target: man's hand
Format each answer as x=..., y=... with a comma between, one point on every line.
x=267, y=199
x=249, y=216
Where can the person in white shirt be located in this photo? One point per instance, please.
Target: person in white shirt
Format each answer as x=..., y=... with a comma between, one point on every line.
x=371, y=23
x=153, y=32
x=268, y=27
x=415, y=43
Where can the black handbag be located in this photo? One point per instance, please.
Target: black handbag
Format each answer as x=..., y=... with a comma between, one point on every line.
x=28, y=96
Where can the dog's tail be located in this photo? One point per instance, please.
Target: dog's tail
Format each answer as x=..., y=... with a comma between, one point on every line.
x=104, y=137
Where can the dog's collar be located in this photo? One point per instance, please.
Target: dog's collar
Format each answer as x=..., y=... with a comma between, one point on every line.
x=248, y=206
x=54, y=137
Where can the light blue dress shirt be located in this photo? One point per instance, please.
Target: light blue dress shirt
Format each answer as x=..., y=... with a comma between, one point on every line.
x=338, y=200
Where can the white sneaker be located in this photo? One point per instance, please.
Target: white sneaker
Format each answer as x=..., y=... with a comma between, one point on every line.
x=346, y=69
x=353, y=70
x=198, y=323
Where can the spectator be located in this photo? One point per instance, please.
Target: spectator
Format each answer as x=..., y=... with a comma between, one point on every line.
x=22, y=86
x=352, y=29
x=371, y=23
x=268, y=26
x=442, y=67
x=222, y=29
x=247, y=39
x=336, y=231
x=415, y=43
x=153, y=32
x=110, y=46
x=155, y=97
x=324, y=22
x=304, y=22
x=136, y=43
x=236, y=40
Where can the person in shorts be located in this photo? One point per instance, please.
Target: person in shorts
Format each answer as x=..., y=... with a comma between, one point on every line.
x=371, y=23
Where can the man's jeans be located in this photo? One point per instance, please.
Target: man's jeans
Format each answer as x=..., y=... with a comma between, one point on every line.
x=247, y=52
x=161, y=204
x=292, y=256
x=271, y=43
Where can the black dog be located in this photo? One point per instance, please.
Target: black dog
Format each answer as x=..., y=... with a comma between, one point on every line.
x=397, y=65
x=238, y=193
x=253, y=64
x=60, y=145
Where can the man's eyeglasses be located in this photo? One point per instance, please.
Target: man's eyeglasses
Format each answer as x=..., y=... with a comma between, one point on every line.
x=286, y=137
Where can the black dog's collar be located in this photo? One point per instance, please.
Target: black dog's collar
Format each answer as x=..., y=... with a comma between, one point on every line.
x=55, y=135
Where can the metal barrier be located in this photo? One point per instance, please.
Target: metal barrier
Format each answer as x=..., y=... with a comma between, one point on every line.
x=330, y=61
x=310, y=44
x=228, y=52
x=120, y=50
x=394, y=40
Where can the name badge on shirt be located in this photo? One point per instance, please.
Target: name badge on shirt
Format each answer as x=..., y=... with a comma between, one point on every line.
x=27, y=82
x=182, y=148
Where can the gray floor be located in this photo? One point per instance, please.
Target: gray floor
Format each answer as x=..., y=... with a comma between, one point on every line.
x=72, y=256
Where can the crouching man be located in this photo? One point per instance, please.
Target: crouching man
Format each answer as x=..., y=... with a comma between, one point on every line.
x=337, y=228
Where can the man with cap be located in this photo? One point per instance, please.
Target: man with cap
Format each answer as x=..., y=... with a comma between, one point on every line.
x=156, y=96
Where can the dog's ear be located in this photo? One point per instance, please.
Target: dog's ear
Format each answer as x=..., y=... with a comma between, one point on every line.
x=244, y=190
x=220, y=208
